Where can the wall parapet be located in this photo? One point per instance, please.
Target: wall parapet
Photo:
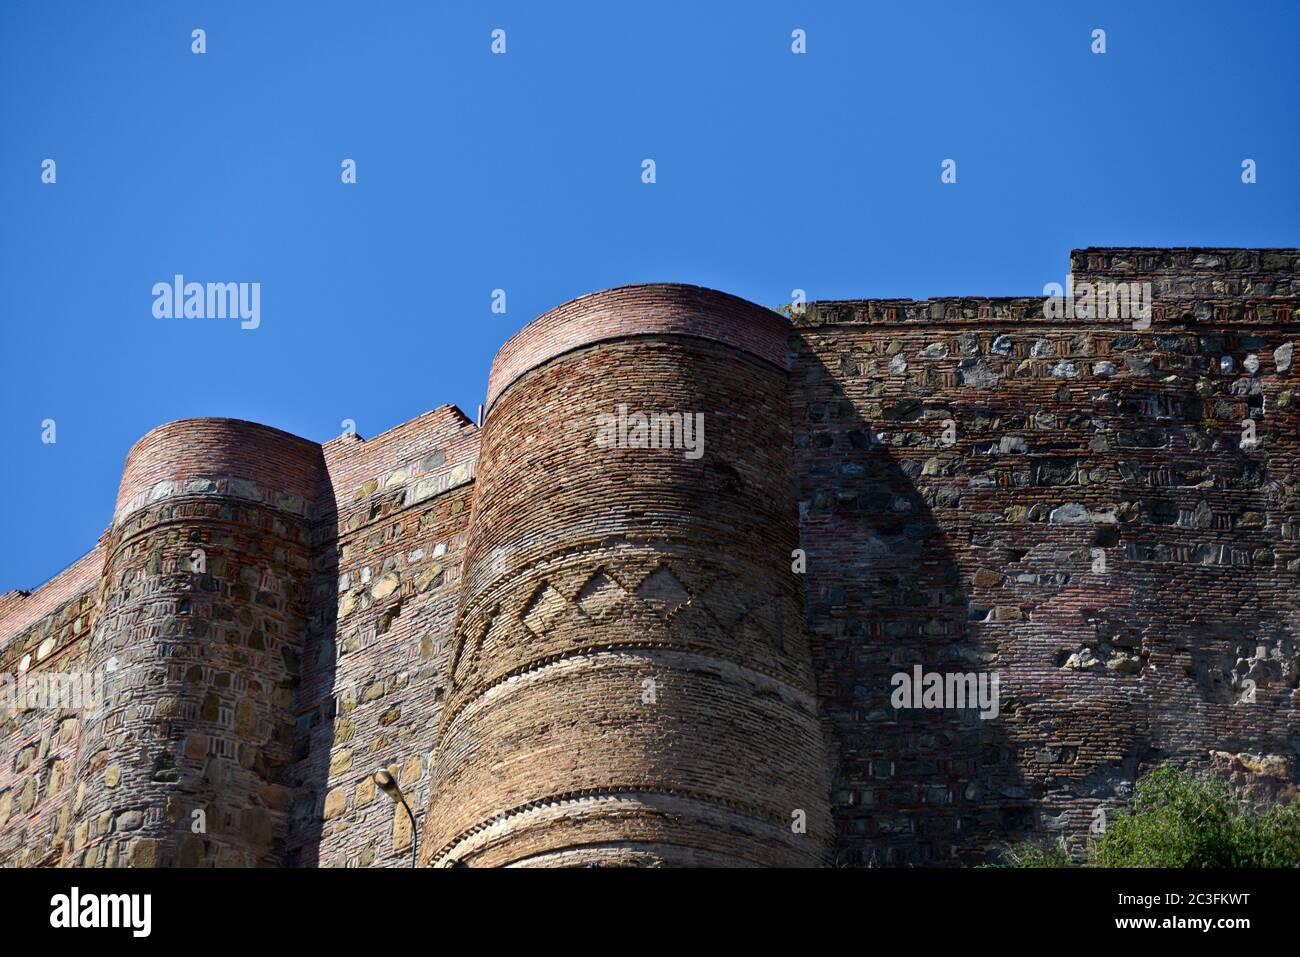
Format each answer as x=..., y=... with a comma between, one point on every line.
x=1189, y=287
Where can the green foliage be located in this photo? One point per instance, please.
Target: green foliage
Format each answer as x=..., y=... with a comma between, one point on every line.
x=1182, y=820
x=1035, y=855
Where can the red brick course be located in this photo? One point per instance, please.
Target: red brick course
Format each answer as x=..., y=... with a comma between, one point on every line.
x=657, y=308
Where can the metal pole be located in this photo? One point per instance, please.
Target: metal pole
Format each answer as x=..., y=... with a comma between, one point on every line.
x=415, y=833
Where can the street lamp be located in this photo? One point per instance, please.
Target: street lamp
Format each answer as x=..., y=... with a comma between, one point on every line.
x=388, y=784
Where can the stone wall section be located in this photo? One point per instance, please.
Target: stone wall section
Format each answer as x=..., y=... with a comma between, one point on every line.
x=384, y=594
x=327, y=589
x=43, y=632
x=1071, y=442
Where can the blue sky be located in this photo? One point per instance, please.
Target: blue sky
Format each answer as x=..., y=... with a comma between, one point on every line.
x=523, y=172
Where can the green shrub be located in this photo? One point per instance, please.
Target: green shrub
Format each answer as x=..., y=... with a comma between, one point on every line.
x=1182, y=820
x=1034, y=855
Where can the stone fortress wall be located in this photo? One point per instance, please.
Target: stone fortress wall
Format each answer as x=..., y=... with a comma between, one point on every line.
x=580, y=655
x=265, y=689
x=1094, y=533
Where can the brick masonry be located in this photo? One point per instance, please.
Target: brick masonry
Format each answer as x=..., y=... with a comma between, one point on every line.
x=572, y=654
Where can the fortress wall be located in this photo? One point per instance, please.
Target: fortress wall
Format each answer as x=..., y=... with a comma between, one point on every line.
x=982, y=556
x=631, y=680
x=39, y=748
x=403, y=456
x=1202, y=283
x=386, y=518
x=581, y=655
x=384, y=593
x=19, y=610
x=42, y=633
x=201, y=623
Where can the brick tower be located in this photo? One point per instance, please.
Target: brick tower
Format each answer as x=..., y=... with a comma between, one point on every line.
x=200, y=628
x=631, y=679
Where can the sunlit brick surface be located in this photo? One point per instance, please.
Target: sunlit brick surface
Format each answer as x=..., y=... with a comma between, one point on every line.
x=629, y=623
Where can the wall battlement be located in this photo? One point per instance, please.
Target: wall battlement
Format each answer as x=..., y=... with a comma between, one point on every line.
x=572, y=654
x=1189, y=287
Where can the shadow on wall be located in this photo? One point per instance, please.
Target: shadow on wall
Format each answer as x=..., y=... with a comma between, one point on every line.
x=316, y=702
x=927, y=783
x=1181, y=647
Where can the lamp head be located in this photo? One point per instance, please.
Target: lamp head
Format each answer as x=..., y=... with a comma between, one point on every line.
x=385, y=781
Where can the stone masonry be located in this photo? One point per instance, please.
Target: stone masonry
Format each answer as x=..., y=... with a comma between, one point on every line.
x=569, y=653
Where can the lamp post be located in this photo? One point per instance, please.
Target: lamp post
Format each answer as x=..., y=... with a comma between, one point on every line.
x=388, y=784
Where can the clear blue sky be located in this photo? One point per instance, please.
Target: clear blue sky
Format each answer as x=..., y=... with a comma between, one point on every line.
x=523, y=172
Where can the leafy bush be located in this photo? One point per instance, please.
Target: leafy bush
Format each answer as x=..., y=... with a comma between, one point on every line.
x=1180, y=819
x=1034, y=855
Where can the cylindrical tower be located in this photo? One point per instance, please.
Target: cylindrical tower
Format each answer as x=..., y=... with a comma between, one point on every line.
x=632, y=681
x=200, y=628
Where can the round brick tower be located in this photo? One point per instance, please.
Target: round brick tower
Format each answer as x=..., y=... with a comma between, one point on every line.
x=631, y=678
x=199, y=631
